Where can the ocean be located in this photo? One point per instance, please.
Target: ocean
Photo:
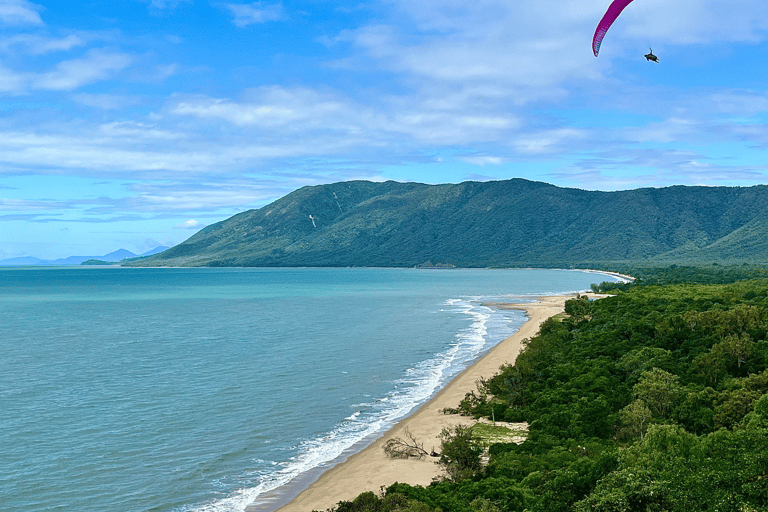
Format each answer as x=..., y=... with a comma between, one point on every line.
x=204, y=390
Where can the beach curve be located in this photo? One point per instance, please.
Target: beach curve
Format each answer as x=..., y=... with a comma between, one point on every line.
x=370, y=469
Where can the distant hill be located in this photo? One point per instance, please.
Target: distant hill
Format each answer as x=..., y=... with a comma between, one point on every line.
x=118, y=255
x=22, y=261
x=113, y=257
x=499, y=223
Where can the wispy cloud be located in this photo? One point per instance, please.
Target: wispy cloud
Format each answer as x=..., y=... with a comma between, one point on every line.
x=157, y=6
x=12, y=81
x=37, y=44
x=20, y=12
x=273, y=106
x=697, y=21
x=740, y=102
x=326, y=121
x=107, y=101
x=549, y=141
x=30, y=205
x=255, y=13
x=483, y=160
x=96, y=65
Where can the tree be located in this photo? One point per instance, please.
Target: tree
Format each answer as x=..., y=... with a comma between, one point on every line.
x=399, y=448
x=635, y=418
x=696, y=411
x=738, y=347
x=659, y=389
x=711, y=365
x=646, y=358
x=758, y=418
x=734, y=406
x=726, y=356
x=461, y=452
x=671, y=470
x=483, y=505
x=578, y=308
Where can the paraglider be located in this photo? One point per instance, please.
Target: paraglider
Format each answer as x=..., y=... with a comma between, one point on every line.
x=605, y=23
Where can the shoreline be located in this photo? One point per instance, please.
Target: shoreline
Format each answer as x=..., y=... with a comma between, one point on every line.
x=624, y=277
x=370, y=468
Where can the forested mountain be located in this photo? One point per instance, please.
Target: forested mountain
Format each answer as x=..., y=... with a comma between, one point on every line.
x=499, y=223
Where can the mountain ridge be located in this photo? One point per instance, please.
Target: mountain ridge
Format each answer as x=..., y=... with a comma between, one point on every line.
x=499, y=223
x=112, y=257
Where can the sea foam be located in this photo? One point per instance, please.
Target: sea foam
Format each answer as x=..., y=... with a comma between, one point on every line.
x=371, y=419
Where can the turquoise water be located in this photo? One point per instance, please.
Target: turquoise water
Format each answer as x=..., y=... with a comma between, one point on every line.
x=204, y=389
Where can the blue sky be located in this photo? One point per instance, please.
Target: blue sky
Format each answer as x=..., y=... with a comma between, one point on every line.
x=134, y=123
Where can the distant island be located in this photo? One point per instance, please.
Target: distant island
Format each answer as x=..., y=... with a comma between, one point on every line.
x=512, y=223
x=97, y=262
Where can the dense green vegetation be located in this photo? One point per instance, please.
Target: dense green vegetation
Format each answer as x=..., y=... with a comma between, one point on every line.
x=655, y=399
x=485, y=224
x=97, y=262
x=687, y=274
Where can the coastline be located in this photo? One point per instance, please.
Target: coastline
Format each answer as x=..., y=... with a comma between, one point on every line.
x=624, y=277
x=370, y=469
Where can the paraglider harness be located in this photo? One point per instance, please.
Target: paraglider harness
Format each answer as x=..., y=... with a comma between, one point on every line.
x=651, y=56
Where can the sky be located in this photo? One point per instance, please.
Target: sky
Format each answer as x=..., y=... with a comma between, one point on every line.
x=135, y=123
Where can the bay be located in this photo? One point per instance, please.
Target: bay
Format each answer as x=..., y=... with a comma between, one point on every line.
x=204, y=389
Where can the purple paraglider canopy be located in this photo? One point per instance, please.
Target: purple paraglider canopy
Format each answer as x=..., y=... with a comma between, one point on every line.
x=605, y=23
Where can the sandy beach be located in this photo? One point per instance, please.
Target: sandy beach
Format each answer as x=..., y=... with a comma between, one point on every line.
x=370, y=469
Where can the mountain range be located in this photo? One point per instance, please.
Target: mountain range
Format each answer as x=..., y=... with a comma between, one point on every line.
x=498, y=223
x=113, y=257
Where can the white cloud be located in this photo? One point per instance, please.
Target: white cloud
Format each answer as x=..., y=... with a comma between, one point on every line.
x=131, y=131
x=262, y=114
x=549, y=141
x=326, y=121
x=83, y=151
x=516, y=53
x=34, y=44
x=255, y=13
x=533, y=51
x=18, y=205
x=695, y=21
x=95, y=66
x=477, y=76
x=107, y=101
x=161, y=5
x=189, y=224
x=740, y=103
x=756, y=133
x=11, y=81
x=20, y=12
x=673, y=129
x=483, y=160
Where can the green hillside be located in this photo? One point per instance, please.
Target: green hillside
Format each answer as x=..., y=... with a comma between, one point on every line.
x=501, y=223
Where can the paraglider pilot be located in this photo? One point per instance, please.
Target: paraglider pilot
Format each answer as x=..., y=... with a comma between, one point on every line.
x=651, y=56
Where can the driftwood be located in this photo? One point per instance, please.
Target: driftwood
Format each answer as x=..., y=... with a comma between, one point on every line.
x=399, y=448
